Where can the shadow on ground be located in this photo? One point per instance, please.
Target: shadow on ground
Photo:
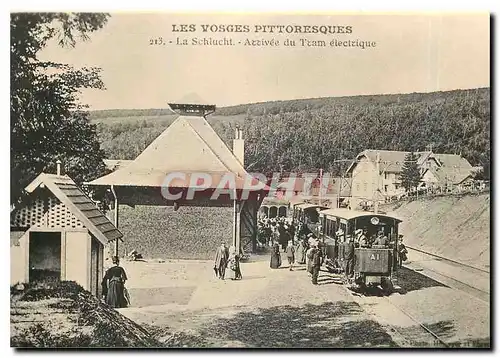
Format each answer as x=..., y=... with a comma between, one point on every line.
x=410, y=280
x=329, y=325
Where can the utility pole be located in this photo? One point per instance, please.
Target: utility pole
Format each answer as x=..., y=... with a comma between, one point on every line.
x=320, y=184
x=377, y=171
x=340, y=189
x=341, y=183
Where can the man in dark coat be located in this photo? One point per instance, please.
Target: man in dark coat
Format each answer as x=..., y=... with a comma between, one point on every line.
x=290, y=255
x=221, y=260
x=402, y=252
x=349, y=258
x=317, y=259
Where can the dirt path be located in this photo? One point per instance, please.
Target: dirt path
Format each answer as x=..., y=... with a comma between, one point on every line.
x=268, y=308
x=185, y=305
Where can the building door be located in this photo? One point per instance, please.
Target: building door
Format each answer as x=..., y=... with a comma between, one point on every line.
x=95, y=260
x=44, y=256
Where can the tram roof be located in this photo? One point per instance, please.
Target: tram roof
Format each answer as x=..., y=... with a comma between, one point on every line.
x=353, y=214
x=308, y=206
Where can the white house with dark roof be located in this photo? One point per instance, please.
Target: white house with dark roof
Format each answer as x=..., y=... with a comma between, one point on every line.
x=57, y=233
x=445, y=170
x=435, y=169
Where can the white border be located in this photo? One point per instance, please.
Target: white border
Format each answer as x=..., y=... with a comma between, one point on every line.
x=307, y=6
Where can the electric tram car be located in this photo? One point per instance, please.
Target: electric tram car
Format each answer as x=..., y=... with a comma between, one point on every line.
x=308, y=215
x=373, y=265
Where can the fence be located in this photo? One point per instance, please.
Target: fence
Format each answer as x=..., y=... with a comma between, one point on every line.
x=424, y=194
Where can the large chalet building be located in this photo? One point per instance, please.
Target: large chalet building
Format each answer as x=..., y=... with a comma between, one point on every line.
x=436, y=170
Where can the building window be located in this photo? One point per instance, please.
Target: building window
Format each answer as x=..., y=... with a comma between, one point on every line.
x=365, y=187
x=386, y=188
x=386, y=175
x=357, y=186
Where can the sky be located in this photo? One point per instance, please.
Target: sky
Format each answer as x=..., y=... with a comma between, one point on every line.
x=413, y=53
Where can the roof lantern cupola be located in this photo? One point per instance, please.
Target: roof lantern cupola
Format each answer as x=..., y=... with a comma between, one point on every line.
x=189, y=109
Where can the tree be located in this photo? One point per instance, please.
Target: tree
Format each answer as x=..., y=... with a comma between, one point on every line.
x=47, y=120
x=410, y=175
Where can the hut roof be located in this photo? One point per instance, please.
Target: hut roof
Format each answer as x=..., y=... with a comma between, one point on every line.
x=66, y=190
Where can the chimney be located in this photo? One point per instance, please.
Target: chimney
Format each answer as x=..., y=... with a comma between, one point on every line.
x=239, y=146
x=58, y=163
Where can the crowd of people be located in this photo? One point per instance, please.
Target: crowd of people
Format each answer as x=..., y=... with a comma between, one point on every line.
x=360, y=239
x=313, y=253
x=308, y=251
x=272, y=230
x=280, y=235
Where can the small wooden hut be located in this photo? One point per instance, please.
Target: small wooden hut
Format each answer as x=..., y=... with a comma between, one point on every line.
x=57, y=233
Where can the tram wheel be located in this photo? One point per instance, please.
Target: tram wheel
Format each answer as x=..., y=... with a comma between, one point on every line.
x=387, y=285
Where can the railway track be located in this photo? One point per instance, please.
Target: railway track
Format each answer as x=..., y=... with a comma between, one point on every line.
x=435, y=341
x=453, y=282
x=448, y=259
x=415, y=333
x=412, y=333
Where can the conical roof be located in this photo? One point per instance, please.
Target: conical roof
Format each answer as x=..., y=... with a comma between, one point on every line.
x=189, y=145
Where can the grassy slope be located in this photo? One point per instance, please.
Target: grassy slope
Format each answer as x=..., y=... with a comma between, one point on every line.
x=189, y=233
x=455, y=227
x=274, y=106
x=65, y=315
x=164, y=119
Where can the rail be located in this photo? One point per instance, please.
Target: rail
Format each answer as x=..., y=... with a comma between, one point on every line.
x=423, y=326
x=447, y=259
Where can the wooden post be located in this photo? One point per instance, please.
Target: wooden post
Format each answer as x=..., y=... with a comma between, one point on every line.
x=238, y=206
x=235, y=225
x=63, y=255
x=238, y=227
x=116, y=217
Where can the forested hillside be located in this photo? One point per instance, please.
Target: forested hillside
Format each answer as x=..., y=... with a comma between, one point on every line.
x=304, y=135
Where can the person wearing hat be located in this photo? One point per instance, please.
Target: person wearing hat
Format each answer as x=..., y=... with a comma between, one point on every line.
x=381, y=240
x=349, y=257
x=340, y=238
x=234, y=264
x=402, y=252
x=309, y=254
x=290, y=255
x=113, y=285
x=275, y=256
x=301, y=252
x=316, y=261
x=221, y=261
x=361, y=238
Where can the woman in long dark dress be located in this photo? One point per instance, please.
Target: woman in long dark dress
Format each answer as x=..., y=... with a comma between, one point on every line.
x=113, y=285
x=301, y=252
x=275, y=257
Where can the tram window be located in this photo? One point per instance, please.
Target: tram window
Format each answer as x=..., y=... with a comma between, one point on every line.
x=333, y=228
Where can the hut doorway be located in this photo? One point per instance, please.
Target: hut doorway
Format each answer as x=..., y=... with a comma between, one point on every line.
x=44, y=256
